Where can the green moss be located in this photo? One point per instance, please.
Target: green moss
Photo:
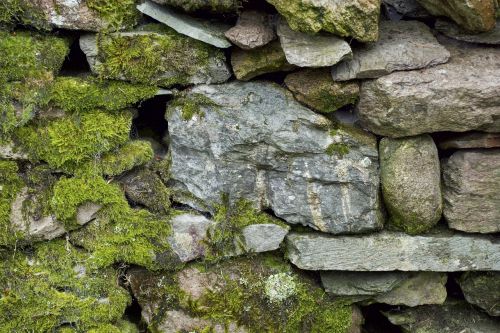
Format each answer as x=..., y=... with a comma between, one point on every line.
x=10, y=185
x=118, y=13
x=338, y=149
x=121, y=326
x=216, y=6
x=24, y=12
x=126, y=157
x=190, y=105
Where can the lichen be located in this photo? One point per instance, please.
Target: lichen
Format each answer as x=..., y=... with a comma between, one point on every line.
x=278, y=287
x=117, y=13
x=131, y=154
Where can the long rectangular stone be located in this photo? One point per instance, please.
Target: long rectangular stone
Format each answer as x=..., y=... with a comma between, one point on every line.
x=389, y=251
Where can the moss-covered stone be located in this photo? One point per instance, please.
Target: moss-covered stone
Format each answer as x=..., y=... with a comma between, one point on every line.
x=117, y=13
x=132, y=154
x=24, y=12
x=216, y=6
x=10, y=185
x=191, y=105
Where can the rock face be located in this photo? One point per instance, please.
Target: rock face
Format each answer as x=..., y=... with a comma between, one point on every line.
x=395, y=288
x=470, y=190
x=475, y=16
x=306, y=50
x=263, y=237
x=252, y=140
x=454, y=31
x=433, y=99
x=410, y=179
x=356, y=18
x=483, y=290
x=316, y=89
x=253, y=29
x=403, y=45
x=387, y=251
x=471, y=140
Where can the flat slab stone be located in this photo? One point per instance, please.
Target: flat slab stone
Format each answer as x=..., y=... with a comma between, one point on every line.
x=403, y=45
x=388, y=251
x=306, y=50
x=206, y=31
x=452, y=30
x=253, y=29
x=470, y=140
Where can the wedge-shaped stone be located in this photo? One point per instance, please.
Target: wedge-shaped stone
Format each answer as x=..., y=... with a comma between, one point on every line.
x=482, y=289
x=452, y=30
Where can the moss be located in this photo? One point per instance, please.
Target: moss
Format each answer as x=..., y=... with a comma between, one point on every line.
x=216, y=6
x=121, y=326
x=338, y=149
x=190, y=105
x=10, y=185
x=25, y=12
x=133, y=153
x=118, y=13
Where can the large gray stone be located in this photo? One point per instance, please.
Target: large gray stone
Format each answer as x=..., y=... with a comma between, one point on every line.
x=452, y=30
x=306, y=50
x=471, y=180
x=388, y=251
x=253, y=29
x=461, y=95
x=403, y=45
x=411, y=182
x=482, y=289
x=253, y=140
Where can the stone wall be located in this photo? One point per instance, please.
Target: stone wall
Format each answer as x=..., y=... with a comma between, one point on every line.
x=249, y=166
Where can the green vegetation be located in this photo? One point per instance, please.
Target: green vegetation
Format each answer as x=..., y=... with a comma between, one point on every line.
x=118, y=13
x=338, y=149
x=131, y=154
x=10, y=185
x=24, y=12
x=190, y=105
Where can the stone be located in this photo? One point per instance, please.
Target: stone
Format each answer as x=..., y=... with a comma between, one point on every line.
x=407, y=8
x=316, y=89
x=253, y=29
x=433, y=100
x=475, y=15
x=248, y=64
x=470, y=140
x=482, y=289
x=215, y=6
x=395, y=288
x=10, y=151
x=208, y=32
x=252, y=140
x=452, y=30
x=189, y=236
x=411, y=182
x=87, y=212
x=402, y=46
x=453, y=316
x=263, y=237
x=388, y=251
x=356, y=18
x=470, y=190
x=306, y=50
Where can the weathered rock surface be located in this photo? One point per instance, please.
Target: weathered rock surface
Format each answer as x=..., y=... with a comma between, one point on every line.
x=306, y=50
x=407, y=8
x=206, y=31
x=10, y=151
x=356, y=18
x=470, y=189
x=475, y=15
x=452, y=30
x=316, y=89
x=447, y=97
x=403, y=45
x=189, y=236
x=482, y=289
x=470, y=140
x=388, y=251
x=252, y=140
x=216, y=6
x=395, y=288
x=411, y=182
x=453, y=316
x=253, y=29
x=248, y=64
x=263, y=237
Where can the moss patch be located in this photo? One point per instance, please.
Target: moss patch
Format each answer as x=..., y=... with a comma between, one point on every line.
x=24, y=12
x=126, y=157
x=190, y=105
x=118, y=13
x=10, y=185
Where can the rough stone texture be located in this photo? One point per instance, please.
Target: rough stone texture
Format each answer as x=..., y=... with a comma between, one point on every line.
x=403, y=45
x=10, y=151
x=453, y=316
x=253, y=29
x=483, y=290
x=473, y=15
x=447, y=97
x=407, y=8
x=356, y=18
x=216, y=6
x=388, y=251
x=306, y=50
x=248, y=64
x=410, y=179
x=189, y=236
x=263, y=237
x=206, y=31
x=452, y=30
x=316, y=89
x=395, y=288
x=252, y=140
x=470, y=140
x=471, y=180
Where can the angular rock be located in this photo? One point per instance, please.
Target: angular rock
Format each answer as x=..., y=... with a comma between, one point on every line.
x=306, y=50
x=453, y=316
x=395, y=288
x=251, y=63
x=407, y=8
x=316, y=89
x=470, y=140
x=215, y=6
x=356, y=18
x=263, y=237
x=252, y=140
x=253, y=29
x=452, y=30
x=483, y=290
x=403, y=45
x=475, y=16
x=189, y=236
x=433, y=99
x=205, y=31
x=388, y=251
x=411, y=182
x=470, y=190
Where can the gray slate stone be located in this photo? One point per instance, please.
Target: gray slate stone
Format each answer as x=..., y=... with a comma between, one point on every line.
x=388, y=251
x=263, y=237
x=461, y=95
x=254, y=141
x=206, y=31
x=403, y=45
x=471, y=183
x=407, y=8
x=482, y=289
x=306, y=50
x=253, y=29
x=452, y=30
x=411, y=182
x=470, y=140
